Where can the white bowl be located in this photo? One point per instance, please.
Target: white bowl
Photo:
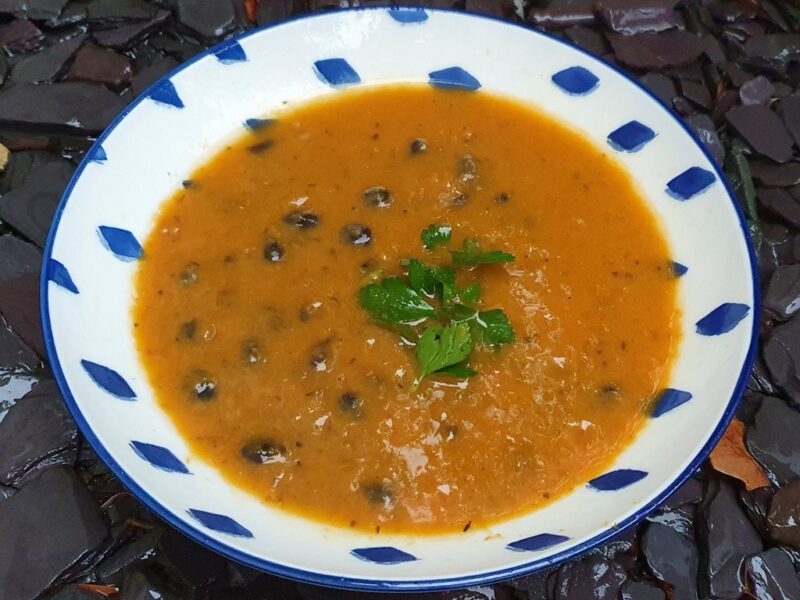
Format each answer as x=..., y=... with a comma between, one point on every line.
x=90, y=262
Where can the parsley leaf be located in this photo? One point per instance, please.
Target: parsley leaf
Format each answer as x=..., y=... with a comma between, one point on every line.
x=493, y=328
x=441, y=347
x=393, y=302
x=471, y=254
x=424, y=278
x=436, y=235
x=460, y=370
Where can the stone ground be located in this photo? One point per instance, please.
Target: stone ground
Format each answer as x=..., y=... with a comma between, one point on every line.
x=731, y=69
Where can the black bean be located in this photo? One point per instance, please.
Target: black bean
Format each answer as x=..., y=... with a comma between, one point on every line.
x=251, y=353
x=378, y=197
x=264, y=452
x=380, y=494
x=261, y=147
x=202, y=386
x=609, y=391
x=357, y=235
x=190, y=184
x=351, y=404
x=502, y=198
x=419, y=146
x=273, y=251
x=467, y=168
x=190, y=274
x=301, y=220
x=188, y=329
x=321, y=357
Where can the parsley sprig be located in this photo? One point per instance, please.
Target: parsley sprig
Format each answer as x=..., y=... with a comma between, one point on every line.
x=428, y=307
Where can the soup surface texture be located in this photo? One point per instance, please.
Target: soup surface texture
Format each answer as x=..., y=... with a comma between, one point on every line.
x=248, y=318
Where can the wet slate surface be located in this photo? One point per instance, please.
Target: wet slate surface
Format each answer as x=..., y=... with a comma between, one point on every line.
x=729, y=68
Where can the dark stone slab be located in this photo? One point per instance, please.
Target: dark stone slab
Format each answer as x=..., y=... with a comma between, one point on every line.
x=770, y=576
x=44, y=66
x=757, y=90
x=592, y=577
x=736, y=74
x=114, y=11
x=209, y=18
x=125, y=36
x=587, y=38
x=749, y=405
x=97, y=65
x=657, y=50
x=733, y=11
x=774, y=50
x=33, y=9
x=271, y=12
x=37, y=433
x=773, y=442
x=57, y=522
x=756, y=505
x=763, y=130
x=29, y=208
x=697, y=93
x=75, y=592
x=672, y=558
x=149, y=75
x=782, y=357
x=784, y=515
x=680, y=519
x=563, y=15
x=690, y=492
x=782, y=297
x=639, y=590
x=713, y=50
x=194, y=570
x=502, y=9
x=141, y=585
x=19, y=304
x=15, y=356
x=17, y=258
x=789, y=110
x=772, y=175
x=142, y=551
x=630, y=17
x=760, y=379
x=661, y=85
x=70, y=107
x=76, y=12
x=703, y=128
x=20, y=36
x=728, y=538
x=780, y=203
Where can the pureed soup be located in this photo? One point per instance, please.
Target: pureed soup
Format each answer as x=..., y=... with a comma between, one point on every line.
x=405, y=309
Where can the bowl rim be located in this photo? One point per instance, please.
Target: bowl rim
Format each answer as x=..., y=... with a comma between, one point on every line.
x=354, y=583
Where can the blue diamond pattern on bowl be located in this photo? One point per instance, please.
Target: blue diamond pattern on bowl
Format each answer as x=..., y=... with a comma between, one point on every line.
x=230, y=53
x=109, y=380
x=576, y=81
x=97, y=154
x=336, y=72
x=678, y=270
x=669, y=399
x=722, y=319
x=384, y=555
x=120, y=242
x=165, y=93
x=160, y=457
x=58, y=274
x=617, y=480
x=690, y=183
x=408, y=15
x=631, y=137
x=453, y=78
x=221, y=523
x=538, y=542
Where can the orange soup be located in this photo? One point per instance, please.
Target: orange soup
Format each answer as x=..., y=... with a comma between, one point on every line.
x=404, y=309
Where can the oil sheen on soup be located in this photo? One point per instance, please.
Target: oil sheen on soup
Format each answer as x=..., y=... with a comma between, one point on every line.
x=407, y=309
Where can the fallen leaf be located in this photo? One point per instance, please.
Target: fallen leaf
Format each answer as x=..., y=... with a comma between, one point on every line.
x=250, y=9
x=732, y=458
x=103, y=590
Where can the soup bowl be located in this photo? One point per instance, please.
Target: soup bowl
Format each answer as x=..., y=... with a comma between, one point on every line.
x=111, y=205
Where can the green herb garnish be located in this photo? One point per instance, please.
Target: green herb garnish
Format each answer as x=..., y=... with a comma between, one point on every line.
x=446, y=335
x=436, y=235
x=393, y=302
x=442, y=347
x=471, y=254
